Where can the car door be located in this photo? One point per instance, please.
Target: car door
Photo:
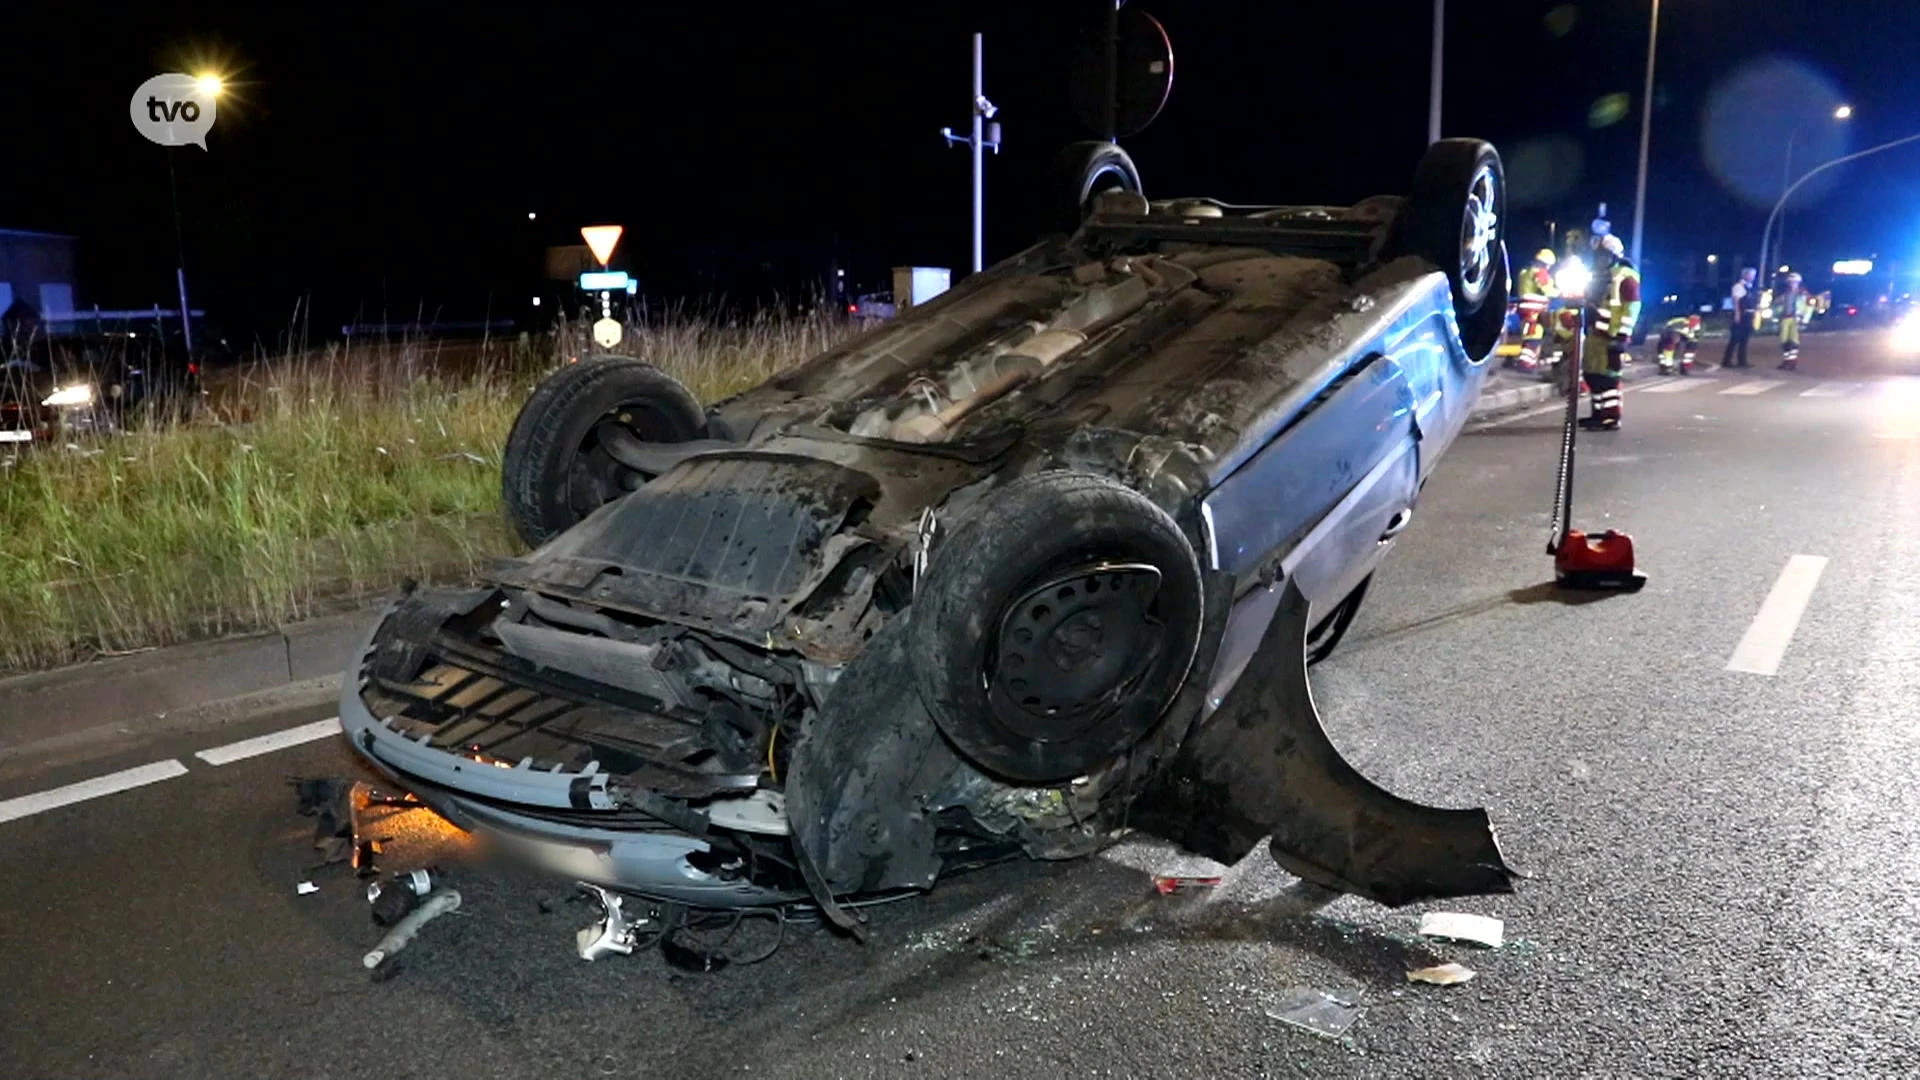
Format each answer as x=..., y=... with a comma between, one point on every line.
x=1320, y=503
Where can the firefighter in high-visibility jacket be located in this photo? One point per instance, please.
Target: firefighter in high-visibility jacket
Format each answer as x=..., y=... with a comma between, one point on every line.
x=1612, y=309
x=1795, y=305
x=1679, y=342
x=1534, y=294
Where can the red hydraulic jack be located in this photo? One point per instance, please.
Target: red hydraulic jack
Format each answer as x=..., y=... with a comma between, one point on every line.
x=1601, y=563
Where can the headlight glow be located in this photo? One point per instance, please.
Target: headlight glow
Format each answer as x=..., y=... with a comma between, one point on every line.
x=67, y=396
x=1906, y=333
x=1572, y=278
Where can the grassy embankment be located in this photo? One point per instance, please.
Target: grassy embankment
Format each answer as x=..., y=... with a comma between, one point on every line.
x=322, y=478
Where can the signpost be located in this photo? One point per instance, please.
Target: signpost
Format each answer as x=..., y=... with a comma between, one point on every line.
x=601, y=239
x=983, y=110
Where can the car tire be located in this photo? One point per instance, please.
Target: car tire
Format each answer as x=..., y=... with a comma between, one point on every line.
x=1098, y=551
x=1456, y=218
x=1080, y=173
x=555, y=472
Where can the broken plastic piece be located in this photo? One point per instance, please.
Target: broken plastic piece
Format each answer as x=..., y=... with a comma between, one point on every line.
x=393, y=898
x=1442, y=974
x=1166, y=884
x=403, y=931
x=1316, y=1011
x=1454, y=926
x=687, y=958
x=305, y=887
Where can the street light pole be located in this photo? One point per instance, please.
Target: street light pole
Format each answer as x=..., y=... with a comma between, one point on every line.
x=1767, y=233
x=979, y=141
x=979, y=160
x=1646, y=136
x=1786, y=178
x=1433, y=87
x=180, y=254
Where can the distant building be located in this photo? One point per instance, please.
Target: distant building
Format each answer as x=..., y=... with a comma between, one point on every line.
x=37, y=272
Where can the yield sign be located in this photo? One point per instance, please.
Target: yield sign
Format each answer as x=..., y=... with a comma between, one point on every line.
x=600, y=240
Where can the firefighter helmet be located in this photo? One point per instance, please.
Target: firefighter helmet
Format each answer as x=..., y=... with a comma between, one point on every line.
x=1611, y=245
x=1546, y=257
x=1794, y=277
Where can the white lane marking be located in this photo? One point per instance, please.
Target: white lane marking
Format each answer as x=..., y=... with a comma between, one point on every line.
x=1559, y=404
x=1677, y=385
x=267, y=744
x=110, y=784
x=1831, y=389
x=1766, y=640
x=1758, y=386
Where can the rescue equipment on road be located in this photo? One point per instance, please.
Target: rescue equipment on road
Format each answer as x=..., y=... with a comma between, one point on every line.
x=1580, y=561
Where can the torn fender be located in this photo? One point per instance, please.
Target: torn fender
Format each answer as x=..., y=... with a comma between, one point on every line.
x=856, y=780
x=1262, y=765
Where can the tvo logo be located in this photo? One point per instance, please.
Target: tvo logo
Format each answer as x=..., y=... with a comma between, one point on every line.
x=174, y=109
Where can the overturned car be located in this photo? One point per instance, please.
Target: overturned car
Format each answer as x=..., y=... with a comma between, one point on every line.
x=1035, y=564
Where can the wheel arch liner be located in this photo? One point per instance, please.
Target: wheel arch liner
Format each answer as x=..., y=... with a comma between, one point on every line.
x=855, y=780
x=1262, y=765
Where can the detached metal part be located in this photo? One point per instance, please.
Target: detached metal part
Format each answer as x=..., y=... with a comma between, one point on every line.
x=1262, y=765
x=612, y=934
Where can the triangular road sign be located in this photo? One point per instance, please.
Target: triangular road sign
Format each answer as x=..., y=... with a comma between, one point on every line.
x=601, y=239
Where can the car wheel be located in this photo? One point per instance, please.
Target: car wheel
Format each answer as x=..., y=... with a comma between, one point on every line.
x=1080, y=173
x=1457, y=219
x=558, y=469
x=1055, y=625
x=1481, y=331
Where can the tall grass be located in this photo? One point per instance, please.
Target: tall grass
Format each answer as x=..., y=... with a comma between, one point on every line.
x=319, y=480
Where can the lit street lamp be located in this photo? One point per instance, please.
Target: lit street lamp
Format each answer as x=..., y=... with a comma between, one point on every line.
x=1786, y=171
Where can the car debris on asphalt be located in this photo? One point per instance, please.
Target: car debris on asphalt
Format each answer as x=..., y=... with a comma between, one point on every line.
x=1166, y=885
x=1317, y=1011
x=1470, y=929
x=392, y=899
x=306, y=888
x=680, y=931
x=379, y=959
x=1442, y=974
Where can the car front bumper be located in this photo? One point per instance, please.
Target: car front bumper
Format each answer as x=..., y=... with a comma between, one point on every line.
x=511, y=808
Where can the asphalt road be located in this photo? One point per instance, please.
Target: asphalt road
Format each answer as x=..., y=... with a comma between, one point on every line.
x=1723, y=878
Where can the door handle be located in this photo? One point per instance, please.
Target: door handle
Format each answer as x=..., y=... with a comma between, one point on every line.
x=1397, y=525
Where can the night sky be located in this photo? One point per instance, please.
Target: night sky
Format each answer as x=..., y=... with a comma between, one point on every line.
x=379, y=157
